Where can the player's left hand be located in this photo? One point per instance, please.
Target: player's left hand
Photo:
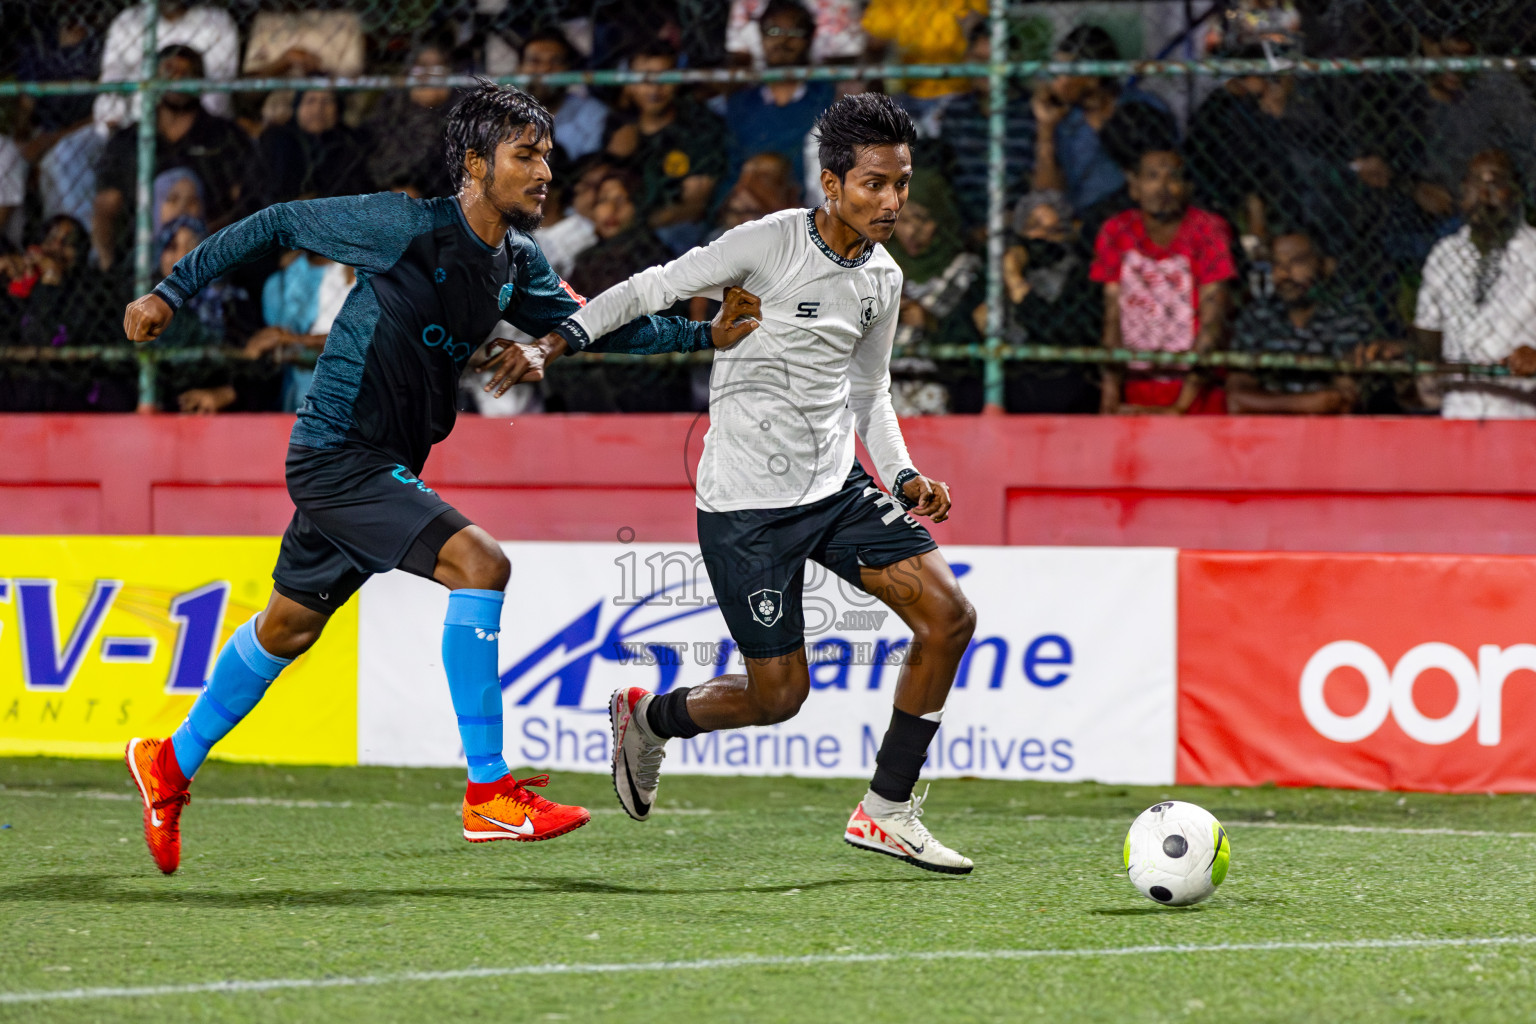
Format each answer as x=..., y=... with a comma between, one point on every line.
x=931, y=496
x=521, y=362
x=740, y=314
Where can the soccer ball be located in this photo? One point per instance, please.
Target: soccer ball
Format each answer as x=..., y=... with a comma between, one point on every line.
x=1176, y=853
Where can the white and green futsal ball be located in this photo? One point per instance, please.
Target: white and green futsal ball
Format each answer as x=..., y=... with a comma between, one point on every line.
x=1176, y=853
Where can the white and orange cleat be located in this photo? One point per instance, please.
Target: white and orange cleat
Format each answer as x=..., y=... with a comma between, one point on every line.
x=637, y=754
x=164, y=793
x=904, y=836
x=507, y=810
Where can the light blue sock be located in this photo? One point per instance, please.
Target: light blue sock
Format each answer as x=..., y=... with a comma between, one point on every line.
x=240, y=678
x=470, y=649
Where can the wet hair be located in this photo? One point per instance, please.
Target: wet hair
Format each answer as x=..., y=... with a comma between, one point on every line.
x=858, y=121
x=794, y=9
x=485, y=118
x=559, y=38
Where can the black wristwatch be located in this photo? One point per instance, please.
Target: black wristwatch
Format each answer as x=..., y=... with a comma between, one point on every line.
x=899, y=488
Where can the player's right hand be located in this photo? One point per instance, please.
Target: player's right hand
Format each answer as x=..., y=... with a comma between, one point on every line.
x=740, y=314
x=146, y=317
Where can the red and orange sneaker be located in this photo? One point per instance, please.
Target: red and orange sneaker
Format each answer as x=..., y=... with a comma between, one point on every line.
x=165, y=793
x=507, y=810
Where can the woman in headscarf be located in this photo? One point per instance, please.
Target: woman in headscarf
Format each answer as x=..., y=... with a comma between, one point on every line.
x=59, y=301
x=212, y=383
x=941, y=282
x=315, y=155
x=178, y=192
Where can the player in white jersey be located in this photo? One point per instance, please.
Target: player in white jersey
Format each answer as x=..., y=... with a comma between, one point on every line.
x=778, y=482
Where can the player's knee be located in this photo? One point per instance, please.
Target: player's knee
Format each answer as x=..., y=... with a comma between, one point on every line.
x=780, y=705
x=288, y=636
x=487, y=568
x=950, y=627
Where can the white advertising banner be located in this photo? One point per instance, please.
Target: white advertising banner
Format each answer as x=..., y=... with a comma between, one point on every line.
x=1070, y=675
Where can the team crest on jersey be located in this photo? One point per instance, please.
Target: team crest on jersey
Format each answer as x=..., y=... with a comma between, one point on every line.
x=767, y=606
x=505, y=295
x=867, y=311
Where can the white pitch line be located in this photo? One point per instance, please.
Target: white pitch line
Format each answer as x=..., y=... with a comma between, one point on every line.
x=738, y=962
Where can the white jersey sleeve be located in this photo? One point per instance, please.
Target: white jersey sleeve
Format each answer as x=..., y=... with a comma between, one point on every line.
x=869, y=395
x=706, y=271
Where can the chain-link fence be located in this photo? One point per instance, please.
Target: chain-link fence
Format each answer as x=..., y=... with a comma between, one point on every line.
x=1260, y=205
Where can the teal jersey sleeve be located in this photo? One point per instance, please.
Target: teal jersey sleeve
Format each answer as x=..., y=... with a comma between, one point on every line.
x=368, y=233
x=545, y=302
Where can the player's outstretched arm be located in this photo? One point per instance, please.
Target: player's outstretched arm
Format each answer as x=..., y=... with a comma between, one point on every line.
x=520, y=362
x=368, y=233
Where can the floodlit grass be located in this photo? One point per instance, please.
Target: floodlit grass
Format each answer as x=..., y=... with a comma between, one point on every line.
x=300, y=875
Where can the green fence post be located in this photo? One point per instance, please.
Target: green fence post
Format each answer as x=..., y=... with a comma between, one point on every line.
x=997, y=172
x=143, y=228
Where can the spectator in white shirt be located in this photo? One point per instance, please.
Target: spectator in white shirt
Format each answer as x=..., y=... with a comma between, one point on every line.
x=208, y=30
x=1478, y=300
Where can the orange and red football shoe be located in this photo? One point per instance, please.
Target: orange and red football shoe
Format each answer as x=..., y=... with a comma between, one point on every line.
x=507, y=810
x=153, y=767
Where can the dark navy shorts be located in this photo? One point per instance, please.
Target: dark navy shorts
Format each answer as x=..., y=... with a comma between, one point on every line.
x=756, y=557
x=356, y=513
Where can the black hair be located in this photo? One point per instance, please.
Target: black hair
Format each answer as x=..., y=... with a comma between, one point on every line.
x=655, y=48
x=485, y=118
x=556, y=36
x=854, y=122
x=185, y=53
x=1088, y=42
x=1135, y=129
x=793, y=8
x=634, y=187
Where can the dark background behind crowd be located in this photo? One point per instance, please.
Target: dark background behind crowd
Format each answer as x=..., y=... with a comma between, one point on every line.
x=1352, y=217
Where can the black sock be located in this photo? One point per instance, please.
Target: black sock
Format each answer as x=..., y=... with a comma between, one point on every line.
x=901, y=756
x=668, y=715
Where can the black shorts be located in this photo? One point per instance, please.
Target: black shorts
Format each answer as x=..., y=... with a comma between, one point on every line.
x=756, y=557
x=356, y=513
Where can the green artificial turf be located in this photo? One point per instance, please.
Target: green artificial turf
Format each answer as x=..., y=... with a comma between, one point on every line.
x=375, y=882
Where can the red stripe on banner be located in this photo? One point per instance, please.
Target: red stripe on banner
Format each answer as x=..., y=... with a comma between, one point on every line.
x=1361, y=671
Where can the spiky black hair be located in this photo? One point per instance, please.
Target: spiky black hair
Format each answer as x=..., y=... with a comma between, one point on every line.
x=857, y=121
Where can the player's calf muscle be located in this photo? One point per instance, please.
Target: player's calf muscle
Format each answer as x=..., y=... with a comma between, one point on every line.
x=287, y=629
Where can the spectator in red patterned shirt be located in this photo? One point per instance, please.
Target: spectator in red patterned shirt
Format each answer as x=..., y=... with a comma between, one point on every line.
x=1164, y=267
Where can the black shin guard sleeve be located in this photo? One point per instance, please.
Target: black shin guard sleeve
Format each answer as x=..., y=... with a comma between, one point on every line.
x=901, y=756
x=668, y=715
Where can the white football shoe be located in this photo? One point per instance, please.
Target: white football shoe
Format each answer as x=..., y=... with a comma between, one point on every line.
x=903, y=835
x=637, y=755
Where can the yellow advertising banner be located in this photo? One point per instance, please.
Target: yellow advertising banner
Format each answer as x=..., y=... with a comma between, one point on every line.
x=107, y=638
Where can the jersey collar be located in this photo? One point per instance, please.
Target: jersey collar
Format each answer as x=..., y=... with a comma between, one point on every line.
x=464, y=223
x=826, y=250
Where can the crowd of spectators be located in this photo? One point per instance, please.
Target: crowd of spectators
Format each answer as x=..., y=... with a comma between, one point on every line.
x=1355, y=218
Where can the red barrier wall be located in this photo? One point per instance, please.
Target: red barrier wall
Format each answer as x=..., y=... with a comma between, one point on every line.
x=1233, y=483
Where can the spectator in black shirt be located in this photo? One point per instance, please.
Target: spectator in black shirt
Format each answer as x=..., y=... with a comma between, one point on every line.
x=677, y=146
x=186, y=135
x=58, y=301
x=315, y=155
x=404, y=132
x=626, y=243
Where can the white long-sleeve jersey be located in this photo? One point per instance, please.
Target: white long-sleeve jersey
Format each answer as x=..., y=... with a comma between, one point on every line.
x=785, y=401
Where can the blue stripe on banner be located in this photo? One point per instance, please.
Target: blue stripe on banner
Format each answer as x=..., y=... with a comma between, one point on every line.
x=124, y=648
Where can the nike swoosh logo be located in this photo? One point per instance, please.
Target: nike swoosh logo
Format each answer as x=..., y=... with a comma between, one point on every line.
x=525, y=829
x=154, y=817
x=634, y=794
